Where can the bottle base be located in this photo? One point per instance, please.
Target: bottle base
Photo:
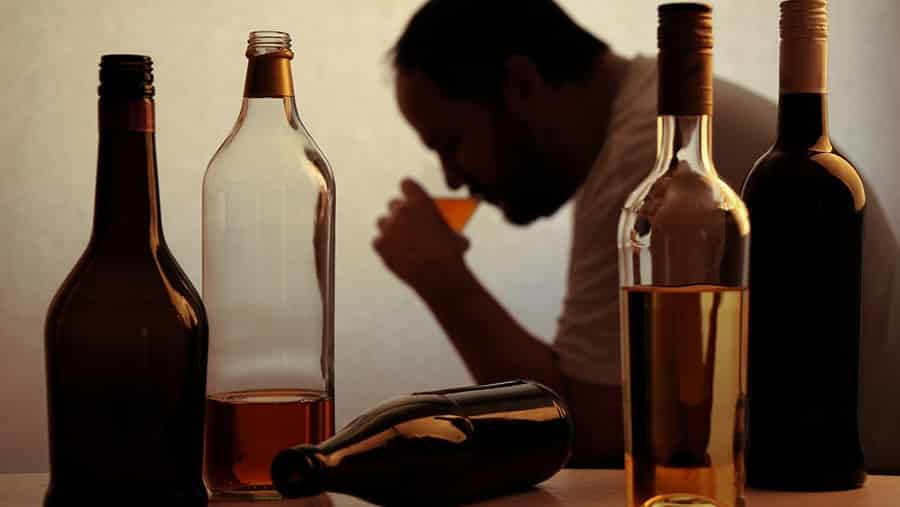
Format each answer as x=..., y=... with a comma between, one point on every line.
x=679, y=500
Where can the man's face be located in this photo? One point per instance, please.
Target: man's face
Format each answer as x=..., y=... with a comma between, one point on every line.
x=486, y=148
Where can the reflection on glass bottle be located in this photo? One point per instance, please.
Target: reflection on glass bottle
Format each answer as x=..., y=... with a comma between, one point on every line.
x=437, y=447
x=683, y=246
x=268, y=281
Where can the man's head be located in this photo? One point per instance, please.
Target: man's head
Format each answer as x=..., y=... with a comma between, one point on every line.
x=480, y=81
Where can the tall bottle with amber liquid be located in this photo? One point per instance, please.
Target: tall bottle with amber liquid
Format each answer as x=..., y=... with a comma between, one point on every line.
x=268, y=282
x=126, y=333
x=683, y=264
x=806, y=203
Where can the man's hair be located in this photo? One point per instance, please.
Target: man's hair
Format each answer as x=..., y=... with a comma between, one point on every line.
x=463, y=45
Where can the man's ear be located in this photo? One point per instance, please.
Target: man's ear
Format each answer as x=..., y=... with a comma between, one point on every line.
x=524, y=84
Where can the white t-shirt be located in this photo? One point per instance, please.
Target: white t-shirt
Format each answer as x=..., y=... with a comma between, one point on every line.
x=587, y=339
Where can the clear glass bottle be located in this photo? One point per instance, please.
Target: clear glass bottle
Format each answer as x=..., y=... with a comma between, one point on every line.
x=683, y=266
x=268, y=281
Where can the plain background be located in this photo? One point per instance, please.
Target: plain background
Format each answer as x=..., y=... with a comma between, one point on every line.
x=386, y=342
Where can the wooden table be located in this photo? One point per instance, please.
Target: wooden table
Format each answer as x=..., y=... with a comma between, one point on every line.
x=575, y=488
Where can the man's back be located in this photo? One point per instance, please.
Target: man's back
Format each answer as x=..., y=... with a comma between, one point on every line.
x=743, y=130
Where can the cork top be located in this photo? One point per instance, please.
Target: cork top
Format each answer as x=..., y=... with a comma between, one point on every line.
x=804, y=19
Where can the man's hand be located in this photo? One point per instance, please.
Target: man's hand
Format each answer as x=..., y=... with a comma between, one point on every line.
x=414, y=241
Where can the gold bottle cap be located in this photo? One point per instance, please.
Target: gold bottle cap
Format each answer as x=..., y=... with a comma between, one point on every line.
x=804, y=19
x=804, y=46
x=269, y=58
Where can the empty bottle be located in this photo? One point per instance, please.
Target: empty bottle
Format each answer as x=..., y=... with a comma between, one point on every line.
x=436, y=448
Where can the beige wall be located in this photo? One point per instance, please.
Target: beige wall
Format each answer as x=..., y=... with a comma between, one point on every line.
x=386, y=342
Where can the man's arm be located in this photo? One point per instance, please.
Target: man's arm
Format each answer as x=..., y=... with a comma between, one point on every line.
x=420, y=249
x=495, y=348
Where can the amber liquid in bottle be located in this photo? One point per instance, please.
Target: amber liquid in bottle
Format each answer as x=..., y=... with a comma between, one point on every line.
x=684, y=359
x=126, y=334
x=683, y=246
x=268, y=282
x=245, y=430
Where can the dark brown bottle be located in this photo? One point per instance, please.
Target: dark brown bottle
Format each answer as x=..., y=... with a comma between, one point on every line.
x=437, y=448
x=806, y=204
x=126, y=333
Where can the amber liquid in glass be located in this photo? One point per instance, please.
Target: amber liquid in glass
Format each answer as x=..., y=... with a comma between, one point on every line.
x=684, y=404
x=246, y=429
x=457, y=211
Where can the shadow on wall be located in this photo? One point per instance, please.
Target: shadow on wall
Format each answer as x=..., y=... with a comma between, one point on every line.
x=879, y=375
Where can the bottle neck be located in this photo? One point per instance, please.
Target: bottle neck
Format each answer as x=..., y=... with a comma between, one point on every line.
x=685, y=141
x=685, y=103
x=803, y=101
x=269, y=91
x=268, y=114
x=126, y=206
x=269, y=74
x=803, y=121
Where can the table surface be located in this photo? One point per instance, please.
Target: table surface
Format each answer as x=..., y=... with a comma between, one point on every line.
x=573, y=488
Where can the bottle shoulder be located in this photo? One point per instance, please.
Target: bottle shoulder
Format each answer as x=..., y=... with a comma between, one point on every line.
x=805, y=174
x=117, y=294
x=683, y=227
x=685, y=196
x=284, y=159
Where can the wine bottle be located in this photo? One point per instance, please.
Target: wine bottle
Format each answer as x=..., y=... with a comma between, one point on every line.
x=126, y=333
x=437, y=448
x=806, y=203
x=683, y=247
x=268, y=281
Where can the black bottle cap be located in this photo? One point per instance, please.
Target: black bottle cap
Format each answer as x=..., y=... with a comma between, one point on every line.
x=126, y=76
x=297, y=473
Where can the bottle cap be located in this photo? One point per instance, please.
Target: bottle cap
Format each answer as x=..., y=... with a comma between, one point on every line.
x=126, y=76
x=296, y=472
x=685, y=37
x=269, y=58
x=804, y=46
x=804, y=19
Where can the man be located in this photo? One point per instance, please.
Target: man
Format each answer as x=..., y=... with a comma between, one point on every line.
x=528, y=110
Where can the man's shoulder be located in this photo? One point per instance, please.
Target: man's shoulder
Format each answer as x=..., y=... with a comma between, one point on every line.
x=630, y=140
x=732, y=101
x=744, y=128
x=730, y=98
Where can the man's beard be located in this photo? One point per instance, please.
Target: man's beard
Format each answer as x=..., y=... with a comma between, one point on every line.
x=534, y=186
